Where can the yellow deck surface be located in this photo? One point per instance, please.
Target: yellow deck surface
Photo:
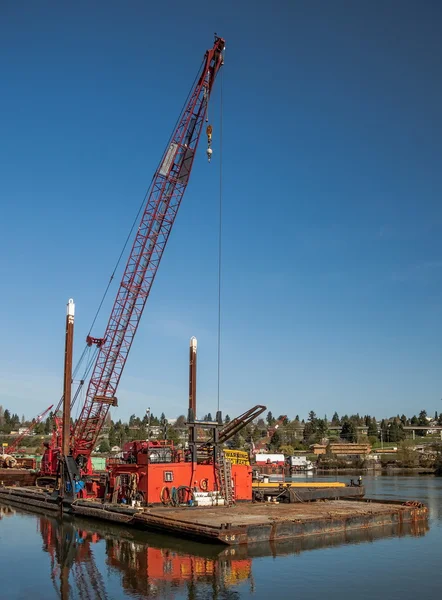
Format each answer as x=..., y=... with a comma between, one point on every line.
x=313, y=484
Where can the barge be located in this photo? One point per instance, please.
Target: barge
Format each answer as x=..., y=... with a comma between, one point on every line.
x=243, y=523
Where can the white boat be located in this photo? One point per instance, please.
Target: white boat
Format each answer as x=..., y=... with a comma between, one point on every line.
x=300, y=464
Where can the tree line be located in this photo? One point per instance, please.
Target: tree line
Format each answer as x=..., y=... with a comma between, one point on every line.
x=286, y=432
x=277, y=432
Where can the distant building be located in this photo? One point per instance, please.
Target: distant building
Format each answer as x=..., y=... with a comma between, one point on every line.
x=155, y=431
x=22, y=430
x=270, y=459
x=342, y=449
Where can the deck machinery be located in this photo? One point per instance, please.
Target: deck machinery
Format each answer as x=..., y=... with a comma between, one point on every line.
x=155, y=471
x=202, y=465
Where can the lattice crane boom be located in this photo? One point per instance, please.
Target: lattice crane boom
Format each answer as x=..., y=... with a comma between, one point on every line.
x=163, y=201
x=38, y=419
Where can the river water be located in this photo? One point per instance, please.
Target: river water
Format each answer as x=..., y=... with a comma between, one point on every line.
x=41, y=557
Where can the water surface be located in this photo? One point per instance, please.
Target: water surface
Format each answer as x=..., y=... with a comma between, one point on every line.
x=42, y=557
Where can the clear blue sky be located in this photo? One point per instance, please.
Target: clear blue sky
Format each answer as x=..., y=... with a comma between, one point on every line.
x=332, y=274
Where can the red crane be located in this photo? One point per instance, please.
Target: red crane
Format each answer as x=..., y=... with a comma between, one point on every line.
x=38, y=419
x=163, y=201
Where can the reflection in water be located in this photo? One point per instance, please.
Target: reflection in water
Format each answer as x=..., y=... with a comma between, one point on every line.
x=70, y=549
x=6, y=511
x=158, y=572
x=153, y=566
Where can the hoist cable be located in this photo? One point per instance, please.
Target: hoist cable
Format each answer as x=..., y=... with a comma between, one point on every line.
x=136, y=219
x=220, y=232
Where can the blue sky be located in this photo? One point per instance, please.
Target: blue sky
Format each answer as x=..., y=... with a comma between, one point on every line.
x=332, y=251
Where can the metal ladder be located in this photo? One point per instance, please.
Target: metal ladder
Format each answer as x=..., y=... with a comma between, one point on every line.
x=225, y=480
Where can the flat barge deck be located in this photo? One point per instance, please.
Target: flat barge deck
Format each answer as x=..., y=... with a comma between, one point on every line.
x=244, y=523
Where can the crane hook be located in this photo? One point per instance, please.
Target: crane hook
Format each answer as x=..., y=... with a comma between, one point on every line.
x=209, y=130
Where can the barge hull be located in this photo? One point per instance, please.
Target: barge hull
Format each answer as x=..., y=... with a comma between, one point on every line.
x=244, y=523
x=267, y=523
x=18, y=477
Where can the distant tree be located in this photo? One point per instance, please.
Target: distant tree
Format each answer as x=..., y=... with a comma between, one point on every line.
x=395, y=432
x=422, y=422
x=335, y=419
x=287, y=449
x=309, y=433
x=406, y=454
x=422, y=417
x=39, y=429
x=173, y=435
x=270, y=418
x=104, y=446
x=349, y=432
x=49, y=423
x=284, y=419
x=297, y=418
x=23, y=419
x=255, y=434
x=162, y=417
x=356, y=419
x=414, y=420
x=209, y=417
x=321, y=426
x=113, y=439
x=237, y=442
x=383, y=430
x=261, y=424
x=227, y=419
x=435, y=416
x=404, y=420
x=372, y=428
x=180, y=422
x=315, y=429
x=291, y=433
x=7, y=417
x=275, y=441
